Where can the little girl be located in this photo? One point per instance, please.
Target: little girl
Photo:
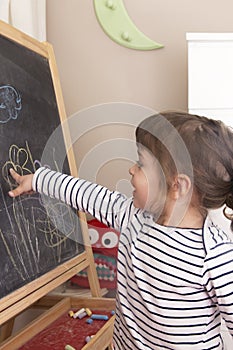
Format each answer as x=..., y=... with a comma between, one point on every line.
x=175, y=267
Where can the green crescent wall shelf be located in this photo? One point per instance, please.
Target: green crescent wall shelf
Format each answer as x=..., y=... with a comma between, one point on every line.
x=117, y=24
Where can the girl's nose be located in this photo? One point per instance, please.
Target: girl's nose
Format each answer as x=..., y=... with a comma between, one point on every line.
x=132, y=170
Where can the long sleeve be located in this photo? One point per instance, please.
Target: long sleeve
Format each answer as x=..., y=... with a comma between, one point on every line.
x=218, y=279
x=106, y=206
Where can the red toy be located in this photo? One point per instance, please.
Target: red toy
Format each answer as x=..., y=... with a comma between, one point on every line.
x=104, y=241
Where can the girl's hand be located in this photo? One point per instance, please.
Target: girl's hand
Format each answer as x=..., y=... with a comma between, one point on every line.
x=24, y=182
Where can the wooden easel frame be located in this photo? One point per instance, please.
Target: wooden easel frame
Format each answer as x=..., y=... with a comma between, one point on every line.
x=19, y=300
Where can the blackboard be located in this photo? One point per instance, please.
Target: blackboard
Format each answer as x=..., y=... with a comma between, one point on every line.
x=31, y=244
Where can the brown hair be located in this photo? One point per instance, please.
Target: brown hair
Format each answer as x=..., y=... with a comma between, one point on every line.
x=208, y=142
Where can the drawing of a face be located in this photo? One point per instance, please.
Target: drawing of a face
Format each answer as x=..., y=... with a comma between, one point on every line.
x=10, y=103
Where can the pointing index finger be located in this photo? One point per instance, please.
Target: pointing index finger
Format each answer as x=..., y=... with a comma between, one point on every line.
x=14, y=174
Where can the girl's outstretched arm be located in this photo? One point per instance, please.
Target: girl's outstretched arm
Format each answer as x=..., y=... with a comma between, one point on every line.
x=24, y=182
x=106, y=206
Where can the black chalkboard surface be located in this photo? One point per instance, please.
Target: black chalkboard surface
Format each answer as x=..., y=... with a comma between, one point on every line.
x=30, y=242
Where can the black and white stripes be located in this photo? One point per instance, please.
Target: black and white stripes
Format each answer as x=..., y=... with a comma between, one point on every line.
x=173, y=284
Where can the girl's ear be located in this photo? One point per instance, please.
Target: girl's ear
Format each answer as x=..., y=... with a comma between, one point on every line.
x=181, y=186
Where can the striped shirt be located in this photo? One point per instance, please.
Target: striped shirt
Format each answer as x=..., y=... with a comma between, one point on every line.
x=174, y=284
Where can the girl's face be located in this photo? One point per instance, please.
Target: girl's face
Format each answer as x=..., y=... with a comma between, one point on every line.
x=148, y=182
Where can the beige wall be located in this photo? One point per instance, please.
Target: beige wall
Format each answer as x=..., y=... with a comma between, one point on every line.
x=94, y=69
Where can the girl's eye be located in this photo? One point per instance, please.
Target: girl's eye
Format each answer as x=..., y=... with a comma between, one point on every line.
x=139, y=164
